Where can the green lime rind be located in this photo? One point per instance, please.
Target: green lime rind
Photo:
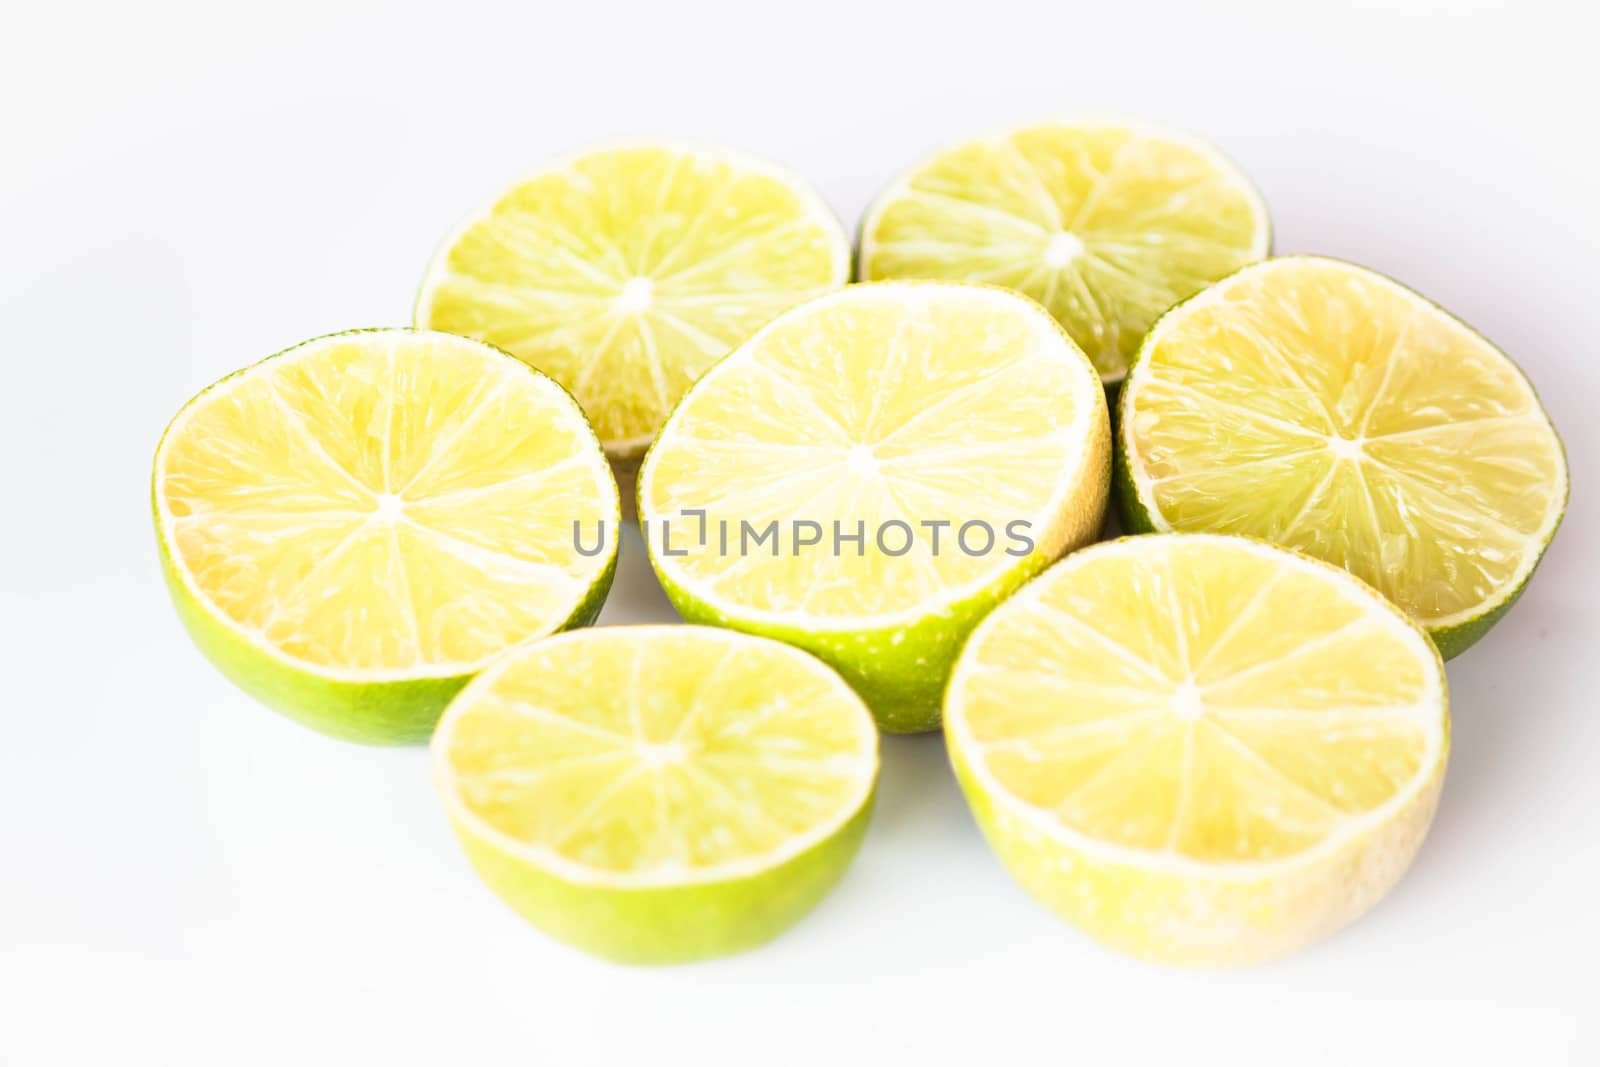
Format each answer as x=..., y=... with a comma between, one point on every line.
x=669, y=924
x=900, y=671
x=1136, y=515
x=1131, y=512
x=1116, y=904
x=1454, y=640
x=400, y=711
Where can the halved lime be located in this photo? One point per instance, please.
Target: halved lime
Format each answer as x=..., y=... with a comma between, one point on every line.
x=1321, y=406
x=625, y=272
x=1200, y=749
x=656, y=794
x=350, y=529
x=1107, y=223
x=872, y=472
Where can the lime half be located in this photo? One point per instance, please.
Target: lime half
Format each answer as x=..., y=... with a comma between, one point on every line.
x=658, y=794
x=352, y=528
x=875, y=470
x=1200, y=749
x=1107, y=223
x=1320, y=406
x=625, y=272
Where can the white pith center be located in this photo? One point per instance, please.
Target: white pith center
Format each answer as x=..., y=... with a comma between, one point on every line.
x=636, y=295
x=1186, y=703
x=388, y=507
x=1346, y=448
x=861, y=460
x=661, y=755
x=1062, y=250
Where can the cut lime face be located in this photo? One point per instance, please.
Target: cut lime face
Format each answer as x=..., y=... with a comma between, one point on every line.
x=1104, y=222
x=954, y=428
x=662, y=793
x=1200, y=749
x=1321, y=406
x=625, y=272
x=353, y=527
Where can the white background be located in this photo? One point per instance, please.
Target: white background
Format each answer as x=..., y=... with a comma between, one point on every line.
x=187, y=878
